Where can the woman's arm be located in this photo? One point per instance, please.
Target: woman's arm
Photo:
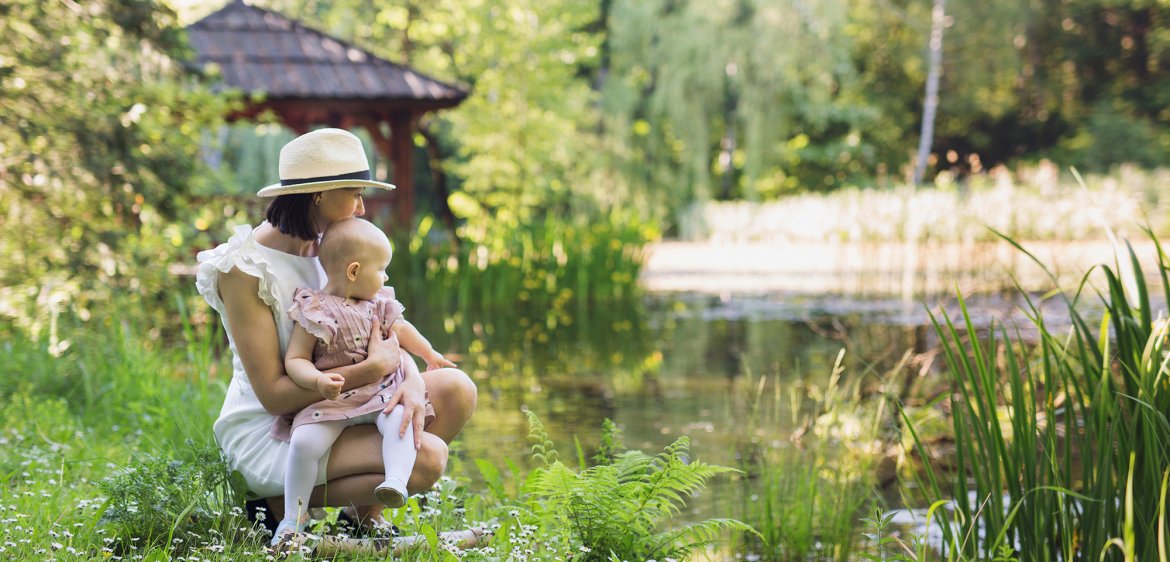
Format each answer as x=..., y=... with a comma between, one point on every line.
x=298, y=364
x=254, y=331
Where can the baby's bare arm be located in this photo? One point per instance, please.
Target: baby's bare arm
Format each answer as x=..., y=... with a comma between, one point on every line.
x=411, y=340
x=299, y=365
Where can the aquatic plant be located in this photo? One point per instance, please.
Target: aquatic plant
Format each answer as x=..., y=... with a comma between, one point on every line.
x=553, y=263
x=1051, y=439
x=809, y=493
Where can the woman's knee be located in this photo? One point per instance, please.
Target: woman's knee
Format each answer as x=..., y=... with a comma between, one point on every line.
x=454, y=389
x=429, y=464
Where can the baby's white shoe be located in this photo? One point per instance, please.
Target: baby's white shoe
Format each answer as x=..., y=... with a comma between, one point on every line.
x=391, y=493
x=283, y=530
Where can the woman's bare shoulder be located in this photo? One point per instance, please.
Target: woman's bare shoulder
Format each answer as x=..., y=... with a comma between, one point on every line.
x=236, y=282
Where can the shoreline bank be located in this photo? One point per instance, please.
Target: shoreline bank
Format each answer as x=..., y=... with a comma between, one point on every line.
x=882, y=269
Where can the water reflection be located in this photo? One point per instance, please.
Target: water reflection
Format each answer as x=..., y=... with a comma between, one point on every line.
x=743, y=378
x=730, y=374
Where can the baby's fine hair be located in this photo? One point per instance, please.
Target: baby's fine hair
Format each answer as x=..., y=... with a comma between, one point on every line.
x=344, y=240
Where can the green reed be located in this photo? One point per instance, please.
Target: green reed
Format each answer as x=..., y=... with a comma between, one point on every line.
x=806, y=497
x=548, y=264
x=1049, y=436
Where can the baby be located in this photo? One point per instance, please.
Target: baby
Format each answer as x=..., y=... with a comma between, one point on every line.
x=331, y=328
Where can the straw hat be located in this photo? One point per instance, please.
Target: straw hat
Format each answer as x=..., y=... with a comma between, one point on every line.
x=322, y=160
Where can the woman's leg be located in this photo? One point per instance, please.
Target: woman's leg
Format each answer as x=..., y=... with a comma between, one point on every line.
x=453, y=395
x=355, y=465
x=308, y=445
x=355, y=469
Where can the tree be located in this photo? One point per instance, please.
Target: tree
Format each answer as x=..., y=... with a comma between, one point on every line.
x=930, y=103
x=520, y=145
x=100, y=131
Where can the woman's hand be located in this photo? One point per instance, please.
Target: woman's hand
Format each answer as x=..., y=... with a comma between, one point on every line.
x=412, y=394
x=383, y=354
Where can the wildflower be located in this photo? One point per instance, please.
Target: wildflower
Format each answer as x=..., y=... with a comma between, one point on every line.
x=584, y=549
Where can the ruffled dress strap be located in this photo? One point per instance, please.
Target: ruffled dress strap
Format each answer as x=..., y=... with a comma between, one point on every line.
x=387, y=308
x=308, y=311
x=240, y=251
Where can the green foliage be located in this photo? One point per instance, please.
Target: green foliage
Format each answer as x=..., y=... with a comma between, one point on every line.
x=611, y=443
x=1110, y=137
x=548, y=265
x=1052, y=439
x=616, y=509
x=524, y=144
x=721, y=99
x=98, y=363
x=806, y=496
x=154, y=499
x=100, y=140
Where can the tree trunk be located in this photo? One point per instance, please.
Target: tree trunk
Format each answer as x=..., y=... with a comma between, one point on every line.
x=930, y=105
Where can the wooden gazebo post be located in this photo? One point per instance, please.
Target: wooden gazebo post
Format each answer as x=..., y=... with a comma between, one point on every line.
x=399, y=149
x=308, y=78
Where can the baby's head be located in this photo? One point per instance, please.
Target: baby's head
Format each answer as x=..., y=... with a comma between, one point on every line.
x=355, y=255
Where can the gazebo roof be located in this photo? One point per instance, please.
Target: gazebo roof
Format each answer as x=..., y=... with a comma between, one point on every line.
x=258, y=50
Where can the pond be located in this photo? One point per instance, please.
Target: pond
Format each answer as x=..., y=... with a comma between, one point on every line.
x=733, y=374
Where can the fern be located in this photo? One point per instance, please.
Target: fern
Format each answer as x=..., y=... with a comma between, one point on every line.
x=542, y=446
x=611, y=443
x=617, y=507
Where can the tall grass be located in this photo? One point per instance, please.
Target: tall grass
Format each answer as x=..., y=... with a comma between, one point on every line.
x=1034, y=204
x=808, y=496
x=1050, y=437
x=550, y=263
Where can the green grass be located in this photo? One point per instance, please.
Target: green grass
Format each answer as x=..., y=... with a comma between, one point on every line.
x=106, y=452
x=1051, y=439
x=808, y=496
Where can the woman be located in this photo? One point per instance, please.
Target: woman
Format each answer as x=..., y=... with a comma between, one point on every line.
x=250, y=281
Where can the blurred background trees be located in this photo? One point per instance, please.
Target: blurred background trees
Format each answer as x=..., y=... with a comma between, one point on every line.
x=100, y=129
x=615, y=114
x=660, y=103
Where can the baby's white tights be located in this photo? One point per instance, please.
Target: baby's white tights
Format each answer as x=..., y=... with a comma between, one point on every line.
x=398, y=453
x=311, y=442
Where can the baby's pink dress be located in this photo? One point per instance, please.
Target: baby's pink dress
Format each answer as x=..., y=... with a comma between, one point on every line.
x=342, y=327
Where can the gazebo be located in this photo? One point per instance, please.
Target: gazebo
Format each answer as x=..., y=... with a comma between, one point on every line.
x=308, y=78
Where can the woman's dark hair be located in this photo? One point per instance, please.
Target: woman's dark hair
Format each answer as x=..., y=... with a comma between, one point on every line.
x=290, y=215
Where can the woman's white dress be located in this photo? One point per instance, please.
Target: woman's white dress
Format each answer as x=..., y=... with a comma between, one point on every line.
x=243, y=427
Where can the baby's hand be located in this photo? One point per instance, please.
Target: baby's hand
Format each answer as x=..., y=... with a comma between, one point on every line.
x=435, y=360
x=329, y=385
